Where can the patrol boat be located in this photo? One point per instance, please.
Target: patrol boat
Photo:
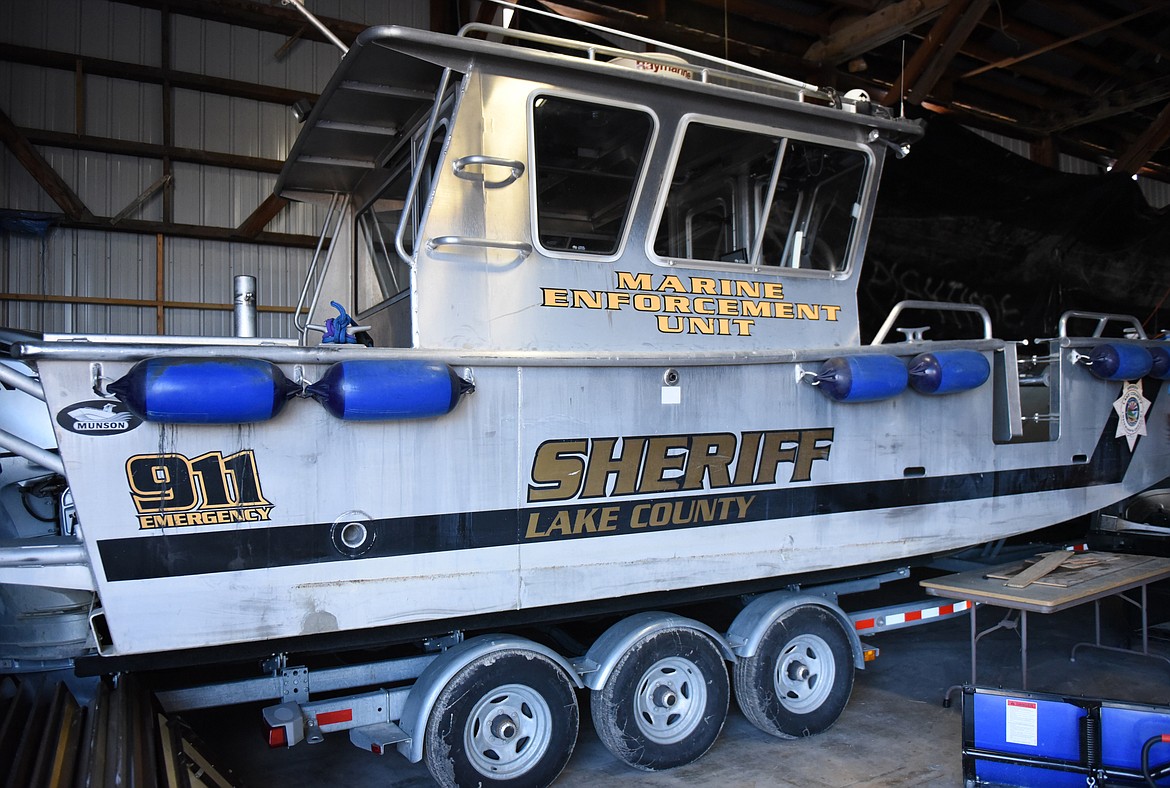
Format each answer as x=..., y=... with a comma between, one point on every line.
x=614, y=365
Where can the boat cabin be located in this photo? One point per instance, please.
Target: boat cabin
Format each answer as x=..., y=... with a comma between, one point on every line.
x=538, y=194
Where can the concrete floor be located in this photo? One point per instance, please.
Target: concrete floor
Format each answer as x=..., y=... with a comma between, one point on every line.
x=894, y=732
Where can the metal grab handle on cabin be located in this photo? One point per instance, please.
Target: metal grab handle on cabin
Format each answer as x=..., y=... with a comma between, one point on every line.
x=1102, y=319
x=463, y=162
x=521, y=248
x=942, y=306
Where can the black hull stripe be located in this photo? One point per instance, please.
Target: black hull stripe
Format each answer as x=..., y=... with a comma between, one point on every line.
x=171, y=554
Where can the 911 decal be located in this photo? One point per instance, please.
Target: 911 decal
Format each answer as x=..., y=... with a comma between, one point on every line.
x=171, y=490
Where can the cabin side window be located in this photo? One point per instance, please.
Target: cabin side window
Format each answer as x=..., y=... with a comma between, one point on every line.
x=378, y=223
x=741, y=196
x=587, y=164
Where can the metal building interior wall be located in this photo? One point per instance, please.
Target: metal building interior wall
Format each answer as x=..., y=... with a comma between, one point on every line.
x=166, y=121
x=168, y=130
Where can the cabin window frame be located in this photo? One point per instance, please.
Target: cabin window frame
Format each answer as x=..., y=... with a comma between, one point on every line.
x=635, y=196
x=866, y=190
x=417, y=151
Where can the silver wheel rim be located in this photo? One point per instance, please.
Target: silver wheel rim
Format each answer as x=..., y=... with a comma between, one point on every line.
x=805, y=672
x=508, y=731
x=671, y=700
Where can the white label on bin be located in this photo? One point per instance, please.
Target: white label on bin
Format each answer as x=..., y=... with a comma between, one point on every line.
x=1021, y=722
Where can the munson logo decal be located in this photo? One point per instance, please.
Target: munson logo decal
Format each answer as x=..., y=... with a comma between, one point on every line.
x=591, y=468
x=170, y=490
x=97, y=417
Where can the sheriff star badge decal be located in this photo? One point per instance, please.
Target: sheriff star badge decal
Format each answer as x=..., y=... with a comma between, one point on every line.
x=1131, y=409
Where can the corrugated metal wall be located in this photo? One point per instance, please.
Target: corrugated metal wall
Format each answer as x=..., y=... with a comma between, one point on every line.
x=1156, y=193
x=39, y=273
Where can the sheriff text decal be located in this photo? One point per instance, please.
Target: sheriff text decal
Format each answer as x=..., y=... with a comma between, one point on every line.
x=171, y=490
x=693, y=305
x=581, y=469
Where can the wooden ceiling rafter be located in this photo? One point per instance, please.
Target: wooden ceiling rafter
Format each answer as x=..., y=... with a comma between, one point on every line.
x=976, y=50
x=1090, y=74
x=1026, y=71
x=754, y=54
x=881, y=27
x=936, y=50
x=1086, y=16
x=1024, y=33
x=596, y=13
x=1014, y=88
x=950, y=48
x=265, y=212
x=1112, y=105
x=41, y=171
x=1053, y=43
x=760, y=11
x=275, y=18
x=961, y=67
x=134, y=72
x=1134, y=157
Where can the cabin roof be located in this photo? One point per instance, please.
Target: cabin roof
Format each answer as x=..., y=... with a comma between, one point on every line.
x=389, y=78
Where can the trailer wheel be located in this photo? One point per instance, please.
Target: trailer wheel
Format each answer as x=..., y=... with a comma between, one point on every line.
x=800, y=678
x=665, y=701
x=508, y=718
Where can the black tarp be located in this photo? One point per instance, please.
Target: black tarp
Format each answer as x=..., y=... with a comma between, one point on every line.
x=963, y=219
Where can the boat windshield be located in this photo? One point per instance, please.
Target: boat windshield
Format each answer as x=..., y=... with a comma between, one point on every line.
x=726, y=179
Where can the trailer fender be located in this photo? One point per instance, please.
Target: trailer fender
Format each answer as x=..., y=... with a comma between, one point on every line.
x=747, y=630
x=443, y=668
x=608, y=649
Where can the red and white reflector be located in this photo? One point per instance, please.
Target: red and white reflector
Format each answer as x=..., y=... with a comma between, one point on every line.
x=897, y=617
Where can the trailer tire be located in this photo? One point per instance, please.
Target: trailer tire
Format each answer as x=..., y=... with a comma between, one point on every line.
x=508, y=718
x=665, y=701
x=800, y=678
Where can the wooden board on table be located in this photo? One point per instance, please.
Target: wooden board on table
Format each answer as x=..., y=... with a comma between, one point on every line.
x=1076, y=569
x=1098, y=575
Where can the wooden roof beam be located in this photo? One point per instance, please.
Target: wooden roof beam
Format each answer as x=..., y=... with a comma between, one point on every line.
x=1021, y=73
x=755, y=11
x=255, y=15
x=755, y=53
x=595, y=13
x=1131, y=160
x=1016, y=28
x=1086, y=16
x=41, y=171
x=1011, y=61
x=857, y=38
x=770, y=13
x=149, y=150
x=936, y=51
x=152, y=75
x=265, y=212
x=937, y=65
x=754, y=25
x=1100, y=108
x=1029, y=72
